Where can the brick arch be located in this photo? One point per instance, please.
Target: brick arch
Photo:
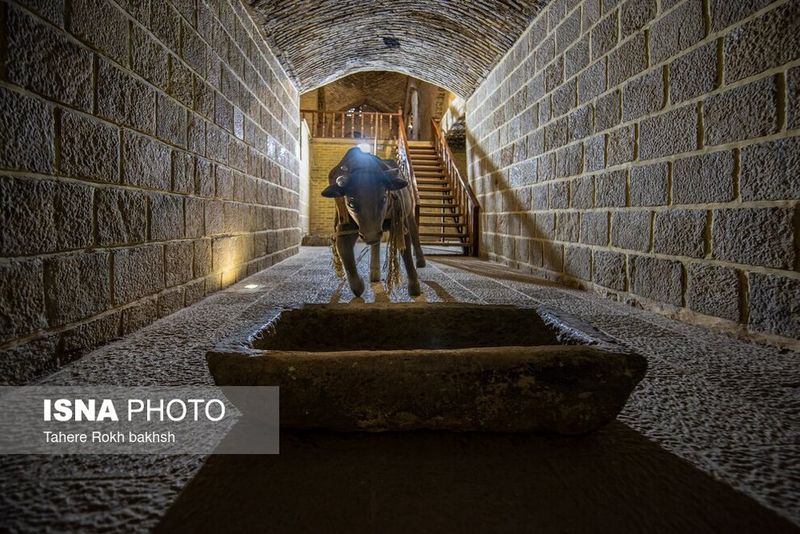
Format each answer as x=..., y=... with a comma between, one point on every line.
x=450, y=43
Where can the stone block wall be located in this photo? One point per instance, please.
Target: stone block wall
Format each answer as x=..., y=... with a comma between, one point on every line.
x=148, y=157
x=650, y=150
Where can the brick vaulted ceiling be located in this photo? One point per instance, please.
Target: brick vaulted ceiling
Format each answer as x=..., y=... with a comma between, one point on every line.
x=452, y=43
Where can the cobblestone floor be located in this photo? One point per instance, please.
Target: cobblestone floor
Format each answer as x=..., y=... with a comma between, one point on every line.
x=730, y=408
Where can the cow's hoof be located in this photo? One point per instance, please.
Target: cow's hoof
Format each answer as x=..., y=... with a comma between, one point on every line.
x=413, y=288
x=357, y=286
x=375, y=277
x=421, y=262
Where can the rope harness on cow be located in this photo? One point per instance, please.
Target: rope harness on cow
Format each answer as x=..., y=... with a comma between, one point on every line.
x=397, y=243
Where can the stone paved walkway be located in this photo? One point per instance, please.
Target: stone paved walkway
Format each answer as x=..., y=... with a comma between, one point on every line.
x=730, y=408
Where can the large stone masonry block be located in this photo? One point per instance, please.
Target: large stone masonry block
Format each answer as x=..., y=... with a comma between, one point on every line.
x=149, y=59
x=774, y=304
x=22, y=304
x=51, y=10
x=628, y=59
x=672, y=132
x=755, y=236
x=195, y=217
x=27, y=133
x=595, y=150
x=576, y=58
x=202, y=257
x=77, y=286
x=771, y=171
x=567, y=226
x=713, y=290
x=643, y=95
x=165, y=24
x=89, y=148
x=166, y=217
x=631, y=230
x=693, y=73
x=635, y=14
x=657, y=279
x=605, y=35
x=608, y=269
x=607, y=111
x=171, y=121
x=568, y=31
x=182, y=172
x=765, y=42
x=580, y=123
x=703, y=179
x=41, y=216
x=101, y=25
x=725, y=13
x=137, y=272
x=145, y=162
x=742, y=112
x=621, y=145
x=564, y=98
x=578, y=262
x=45, y=61
x=569, y=160
x=592, y=81
x=680, y=233
x=178, y=262
x=610, y=189
x=194, y=50
x=677, y=30
x=181, y=82
x=582, y=192
x=594, y=228
x=125, y=100
x=121, y=216
x=649, y=185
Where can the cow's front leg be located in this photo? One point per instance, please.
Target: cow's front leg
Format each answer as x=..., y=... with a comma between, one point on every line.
x=375, y=263
x=411, y=271
x=344, y=246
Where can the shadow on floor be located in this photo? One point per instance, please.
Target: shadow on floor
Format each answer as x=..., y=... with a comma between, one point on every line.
x=612, y=481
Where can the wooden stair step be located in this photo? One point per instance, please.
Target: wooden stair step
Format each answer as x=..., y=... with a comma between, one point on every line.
x=439, y=234
x=439, y=225
x=436, y=197
x=428, y=174
x=437, y=206
x=432, y=181
x=446, y=243
x=429, y=189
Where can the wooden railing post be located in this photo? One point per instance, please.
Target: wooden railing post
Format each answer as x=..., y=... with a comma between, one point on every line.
x=466, y=195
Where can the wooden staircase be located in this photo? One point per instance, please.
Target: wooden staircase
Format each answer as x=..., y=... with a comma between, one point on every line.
x=442, y=217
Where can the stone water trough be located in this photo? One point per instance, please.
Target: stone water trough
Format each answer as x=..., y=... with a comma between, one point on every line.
x=421, y=366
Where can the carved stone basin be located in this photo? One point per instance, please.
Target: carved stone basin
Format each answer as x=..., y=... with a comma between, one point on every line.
x=417, y=366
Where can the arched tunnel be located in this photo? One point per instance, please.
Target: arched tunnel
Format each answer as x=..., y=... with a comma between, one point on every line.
x=584, y=314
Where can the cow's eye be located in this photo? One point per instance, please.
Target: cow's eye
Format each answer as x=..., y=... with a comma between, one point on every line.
x=352, y=204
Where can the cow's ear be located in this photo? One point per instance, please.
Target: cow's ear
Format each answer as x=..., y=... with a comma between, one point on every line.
x=396, y=183
x=333, y=191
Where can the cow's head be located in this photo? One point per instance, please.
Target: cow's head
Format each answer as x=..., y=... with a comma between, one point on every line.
x=364, y=181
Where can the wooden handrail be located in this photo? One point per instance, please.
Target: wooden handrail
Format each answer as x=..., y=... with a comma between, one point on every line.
x=460, y=186
x=404, y=161
x=333, y=124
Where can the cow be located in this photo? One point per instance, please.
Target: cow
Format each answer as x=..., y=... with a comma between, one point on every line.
x=369, y=192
